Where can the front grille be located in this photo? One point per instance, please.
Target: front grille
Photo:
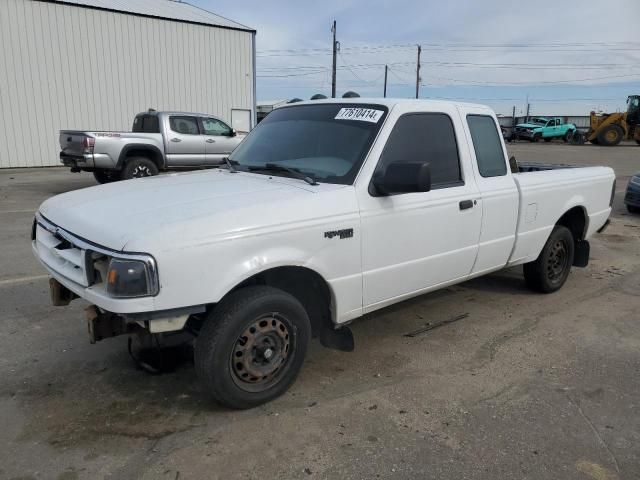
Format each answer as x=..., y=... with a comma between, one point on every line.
x=61, y=255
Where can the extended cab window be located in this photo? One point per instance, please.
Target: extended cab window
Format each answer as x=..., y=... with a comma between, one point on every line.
x=212, y=126
x=184, y=125
x=487, y=145
x=425, y=137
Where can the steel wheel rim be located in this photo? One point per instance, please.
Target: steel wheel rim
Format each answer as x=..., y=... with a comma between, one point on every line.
x=262, y=353
x=141, y=171
x=558, y=260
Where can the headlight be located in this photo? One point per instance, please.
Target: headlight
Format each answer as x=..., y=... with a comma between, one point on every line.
x=131, y=278
x=635, y=180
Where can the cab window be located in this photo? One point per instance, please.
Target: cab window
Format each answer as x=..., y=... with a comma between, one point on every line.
x=213, y=126
x=426, y=137
x=184, y=125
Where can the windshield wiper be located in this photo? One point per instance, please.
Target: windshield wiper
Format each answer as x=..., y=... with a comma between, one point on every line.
x=230, y=164
x=276, y=167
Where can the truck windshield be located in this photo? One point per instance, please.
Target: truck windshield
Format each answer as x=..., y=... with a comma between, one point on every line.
x=327, y=142
x=540, y=121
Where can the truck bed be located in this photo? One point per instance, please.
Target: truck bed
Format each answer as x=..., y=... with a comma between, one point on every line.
x=539, y=167
x=547, y=191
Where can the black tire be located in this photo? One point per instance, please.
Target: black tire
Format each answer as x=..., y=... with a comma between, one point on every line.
x=550, y=270
x=230, y=357
x=536, y=138
x=105, y=176
x=610, y=135
x=568, y=136
x=139, y=167
x=632, y=209
x=595, y=142
x=547, y=140
x=638, y=142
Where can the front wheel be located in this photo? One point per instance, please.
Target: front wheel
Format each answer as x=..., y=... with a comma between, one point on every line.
x=550, y=270
x=632, y=209
x=252, y=346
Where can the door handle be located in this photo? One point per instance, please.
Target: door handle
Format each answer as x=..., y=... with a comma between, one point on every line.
x=176, y=140
x=465, y=204
x=210, y=140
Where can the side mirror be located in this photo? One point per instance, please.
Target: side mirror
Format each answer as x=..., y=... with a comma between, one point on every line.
x=233, y=132
x=403, y=178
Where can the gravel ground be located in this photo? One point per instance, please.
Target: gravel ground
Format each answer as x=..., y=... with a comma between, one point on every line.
x=526, y=386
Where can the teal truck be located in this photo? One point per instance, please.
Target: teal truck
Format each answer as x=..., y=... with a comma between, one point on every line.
x=544, y=128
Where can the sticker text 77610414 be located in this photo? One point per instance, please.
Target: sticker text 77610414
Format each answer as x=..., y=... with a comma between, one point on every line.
x=362, y=114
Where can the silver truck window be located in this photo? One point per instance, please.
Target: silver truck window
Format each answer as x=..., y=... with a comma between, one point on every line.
x=425, y=137
x=213, y=126
x=184, y=125
x=487, y=145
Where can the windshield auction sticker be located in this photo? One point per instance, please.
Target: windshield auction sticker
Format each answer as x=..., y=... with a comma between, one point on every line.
x=361, y=114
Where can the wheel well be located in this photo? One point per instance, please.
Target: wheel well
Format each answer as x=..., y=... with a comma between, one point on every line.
x=307, y=286
x=576, y=221
x=149, y=153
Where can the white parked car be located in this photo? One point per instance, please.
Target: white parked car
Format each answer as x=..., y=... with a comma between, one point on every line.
x=326, y=211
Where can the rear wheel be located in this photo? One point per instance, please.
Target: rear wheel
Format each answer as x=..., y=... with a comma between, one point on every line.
x=252, y=346
x=632, y=209
x=550, y=270
x=139, y=167
x=610, y=135
x=105, y=176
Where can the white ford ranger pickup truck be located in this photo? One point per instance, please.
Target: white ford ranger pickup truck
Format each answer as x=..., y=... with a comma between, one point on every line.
x=328, y=210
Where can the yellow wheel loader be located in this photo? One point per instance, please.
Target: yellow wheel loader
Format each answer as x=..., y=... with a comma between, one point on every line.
x=610, y=129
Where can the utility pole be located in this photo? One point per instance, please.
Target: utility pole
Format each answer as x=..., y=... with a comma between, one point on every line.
x=528, y=108
x=335, y=54
x=513, y=119
x=418, y=73
x=385, y=80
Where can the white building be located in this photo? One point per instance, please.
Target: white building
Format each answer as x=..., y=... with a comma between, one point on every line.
x=94, y=64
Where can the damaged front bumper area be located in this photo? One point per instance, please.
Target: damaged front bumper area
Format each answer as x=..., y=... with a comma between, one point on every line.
x=102, y=324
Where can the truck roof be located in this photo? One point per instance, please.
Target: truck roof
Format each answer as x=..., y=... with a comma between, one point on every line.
x=172, y=112
x=388, y=102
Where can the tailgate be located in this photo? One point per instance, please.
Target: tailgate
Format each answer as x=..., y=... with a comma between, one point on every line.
x=72, y=143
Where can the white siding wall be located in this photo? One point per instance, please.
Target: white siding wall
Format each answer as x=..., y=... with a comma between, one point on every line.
x=67, y=67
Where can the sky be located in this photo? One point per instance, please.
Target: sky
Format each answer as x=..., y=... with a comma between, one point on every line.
x=565, y=58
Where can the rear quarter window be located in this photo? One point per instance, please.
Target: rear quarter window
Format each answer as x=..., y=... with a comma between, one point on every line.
x=146, y=124
x=487, y=145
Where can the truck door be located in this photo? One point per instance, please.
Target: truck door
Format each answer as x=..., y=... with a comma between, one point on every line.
x=415, y=241
x=185, y=145
x=220, y=140
x=498, y=191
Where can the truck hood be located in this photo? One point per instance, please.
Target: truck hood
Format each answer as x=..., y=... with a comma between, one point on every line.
x=140, y=214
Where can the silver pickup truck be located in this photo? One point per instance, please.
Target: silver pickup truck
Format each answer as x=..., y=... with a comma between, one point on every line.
x=158, y=141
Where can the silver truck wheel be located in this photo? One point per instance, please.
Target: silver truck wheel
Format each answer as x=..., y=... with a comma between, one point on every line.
x=139, y=167
x=252, y=346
